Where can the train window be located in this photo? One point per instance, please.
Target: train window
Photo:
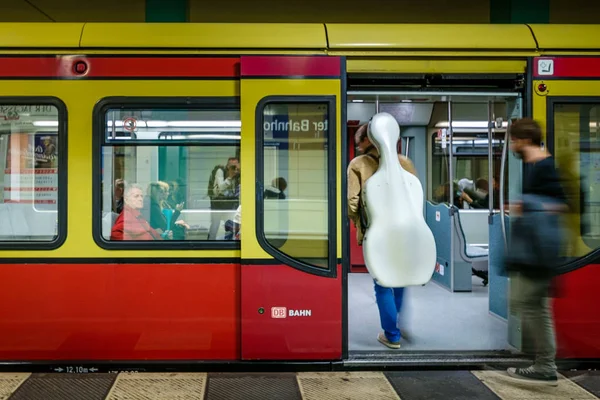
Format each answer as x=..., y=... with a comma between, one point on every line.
x=469, y=169
x=169, y=174
x=577, y=143
x=296, y=175
x=32, y=136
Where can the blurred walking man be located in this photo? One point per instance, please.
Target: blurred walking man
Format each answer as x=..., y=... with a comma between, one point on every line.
x=536, y=241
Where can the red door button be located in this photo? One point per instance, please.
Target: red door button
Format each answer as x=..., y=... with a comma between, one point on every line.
x=80, y=67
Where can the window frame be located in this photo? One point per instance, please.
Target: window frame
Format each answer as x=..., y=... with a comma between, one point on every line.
x=62, y=202
x=99, y=141
x=331, y=270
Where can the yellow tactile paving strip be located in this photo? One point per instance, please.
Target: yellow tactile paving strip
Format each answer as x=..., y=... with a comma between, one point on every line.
x=508, y=388
x=9, y=382
x=345, y=385
x=159, y=386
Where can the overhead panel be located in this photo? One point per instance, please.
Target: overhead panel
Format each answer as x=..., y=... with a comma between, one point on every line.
x=429, y=37
x=205, y=36
x=390, y=66
x=40, y=34
x=567, y=37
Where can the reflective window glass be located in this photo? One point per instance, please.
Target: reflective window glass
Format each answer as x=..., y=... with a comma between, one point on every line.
x=29, y=151
x=577, y=152
x=470, y=155
x=295, y=175
x=171, y=175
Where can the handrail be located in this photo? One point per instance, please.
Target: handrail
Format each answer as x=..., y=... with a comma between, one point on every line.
x=502, y=176
x=490, y=160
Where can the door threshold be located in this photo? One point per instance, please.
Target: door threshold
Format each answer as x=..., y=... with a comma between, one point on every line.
x=432, y=359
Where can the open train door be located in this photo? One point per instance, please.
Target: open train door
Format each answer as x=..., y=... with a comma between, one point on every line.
x=291, y=170
x=567, y=97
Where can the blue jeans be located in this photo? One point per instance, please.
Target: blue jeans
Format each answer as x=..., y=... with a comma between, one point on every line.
x=389, y=302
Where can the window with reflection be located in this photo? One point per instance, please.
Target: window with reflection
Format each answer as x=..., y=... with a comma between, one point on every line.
x=470, y=188
x=577, y=152
x=29, y=154
x=295, y=175
x=470, y=170
x=171, y=175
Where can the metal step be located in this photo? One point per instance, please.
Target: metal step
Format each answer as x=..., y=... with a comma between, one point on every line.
x=442, y=359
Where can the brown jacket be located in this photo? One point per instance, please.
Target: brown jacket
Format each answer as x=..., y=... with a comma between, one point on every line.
x=360, y=169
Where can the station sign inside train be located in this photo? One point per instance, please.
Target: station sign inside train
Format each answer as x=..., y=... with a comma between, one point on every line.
x=292, y=125
x=40, y=109
x=283, y=312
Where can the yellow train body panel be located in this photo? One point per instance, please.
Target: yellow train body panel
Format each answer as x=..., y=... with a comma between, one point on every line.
x=568, y=152
x=566, y=37
x=429, y=37
x=80, y=97
x=340, y=39
x=462, y=66
x=253, y=91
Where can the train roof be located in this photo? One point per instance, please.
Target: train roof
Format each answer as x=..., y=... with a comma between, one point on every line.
x=309, y=36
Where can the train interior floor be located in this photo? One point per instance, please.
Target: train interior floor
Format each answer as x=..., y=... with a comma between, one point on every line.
x=355, y=385
x=433, y=317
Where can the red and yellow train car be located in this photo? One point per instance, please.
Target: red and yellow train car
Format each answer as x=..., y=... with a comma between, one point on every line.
x=85, y=107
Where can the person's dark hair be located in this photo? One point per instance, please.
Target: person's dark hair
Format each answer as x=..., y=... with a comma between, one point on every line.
x=280, y=183
x=362, y=132
x=526, y=128
x=482, y=184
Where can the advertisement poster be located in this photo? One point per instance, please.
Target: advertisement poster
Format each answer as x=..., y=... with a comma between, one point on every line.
x=31, y=173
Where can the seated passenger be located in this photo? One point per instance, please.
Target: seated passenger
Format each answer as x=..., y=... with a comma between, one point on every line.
x=275, y=191
x=154, y=207
x=130, y=224
x=176, y=196
x=480, y=198
x=442, y=194
x=232, y=228
x=466, y=184
x=118, y=196
x=237, y=224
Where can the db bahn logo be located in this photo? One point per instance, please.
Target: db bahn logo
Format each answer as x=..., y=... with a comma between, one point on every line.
x=283, y=312
x=278, y=312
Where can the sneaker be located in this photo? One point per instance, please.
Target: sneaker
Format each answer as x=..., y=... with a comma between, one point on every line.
x=384, y=340
x=533, y=376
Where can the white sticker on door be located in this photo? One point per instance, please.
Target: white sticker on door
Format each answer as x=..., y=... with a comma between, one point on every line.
x=545, y=67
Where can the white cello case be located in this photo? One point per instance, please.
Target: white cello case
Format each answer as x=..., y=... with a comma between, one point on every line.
x=398, y=247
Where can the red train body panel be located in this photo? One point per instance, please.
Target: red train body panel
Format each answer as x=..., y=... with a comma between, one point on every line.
x=576, y=314
x=302, y=314
x=120, y=312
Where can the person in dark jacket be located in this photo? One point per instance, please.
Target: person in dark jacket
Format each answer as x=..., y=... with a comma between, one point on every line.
x=153, y=211
x=532, y=281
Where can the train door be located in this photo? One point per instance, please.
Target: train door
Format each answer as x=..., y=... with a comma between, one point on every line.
x=357, y=260
x=291, y=280
x=567, y=98
x=457, y=142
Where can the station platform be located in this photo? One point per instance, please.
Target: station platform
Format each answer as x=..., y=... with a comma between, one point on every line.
x=404, y=385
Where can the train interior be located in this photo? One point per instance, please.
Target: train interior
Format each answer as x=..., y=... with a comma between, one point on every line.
x=456, y=138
